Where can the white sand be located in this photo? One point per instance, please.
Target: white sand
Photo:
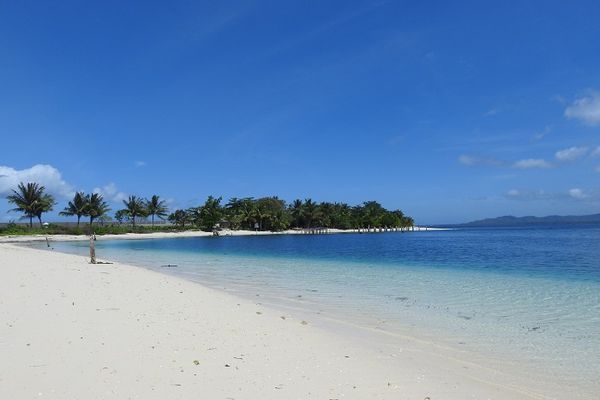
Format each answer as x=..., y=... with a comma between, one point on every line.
x=188, y=233
x=71, y=330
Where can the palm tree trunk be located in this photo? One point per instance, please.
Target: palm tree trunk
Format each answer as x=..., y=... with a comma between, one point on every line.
x=153, y=220
x=133, y=220
x=30, y=222
x=40, y=219
x=78, y=218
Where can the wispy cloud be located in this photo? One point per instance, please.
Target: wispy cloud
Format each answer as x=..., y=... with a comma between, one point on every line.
x=110, y=193
x=140, y=164
x=537, y=136
x=596, y=152
x=43, y=174
x=396, y=140
x=491, y=112
x=527, y=195
x=585, y=109
x=532, y=163
x=574, y=194
x=476, y=160
x=571, y=153
x=578, y=194
x=316, y=32
x=527, y=163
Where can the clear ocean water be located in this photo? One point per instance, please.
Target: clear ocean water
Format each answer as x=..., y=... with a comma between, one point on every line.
x=527, y=296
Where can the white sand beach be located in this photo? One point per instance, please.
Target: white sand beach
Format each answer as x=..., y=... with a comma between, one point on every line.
x=72, y=330
x=186, y=233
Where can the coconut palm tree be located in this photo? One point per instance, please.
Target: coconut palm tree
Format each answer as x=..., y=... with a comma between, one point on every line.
x=31, y=200
x=247, y=212
x=121, y=216
x=179, y=217
x=297, y=212
x=156, y=206
x=135, y=207
x=78, y=206
x=211, y=213
x=96, y=207
x=311, y=212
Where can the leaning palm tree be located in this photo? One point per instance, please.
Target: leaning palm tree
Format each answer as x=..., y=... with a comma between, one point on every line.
x=78, y=206
x=31, y=200
x=96, y=207
x=156, y=207
x=135, y=207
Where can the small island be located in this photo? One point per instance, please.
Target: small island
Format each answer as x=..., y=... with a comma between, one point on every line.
x=140, y=215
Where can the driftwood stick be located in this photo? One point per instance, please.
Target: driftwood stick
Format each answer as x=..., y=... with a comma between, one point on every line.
x=93, y=249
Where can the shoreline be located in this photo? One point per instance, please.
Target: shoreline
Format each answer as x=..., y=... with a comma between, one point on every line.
x=315, y=362
x=186, y=233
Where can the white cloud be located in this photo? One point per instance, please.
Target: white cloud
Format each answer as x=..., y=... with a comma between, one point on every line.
x=528, y=195
x=474, y=160
x=140, y=164
x=596, y=152
x=491, y=112
x=530, y=163
x=537, y=136
x=571, y=154
x=585, y=109
x=110, y=193
x=578, y=194
x=467, y=160
x=598, y=169
x=43, y=174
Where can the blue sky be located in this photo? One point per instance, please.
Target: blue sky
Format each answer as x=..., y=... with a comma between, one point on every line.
x=450, y=111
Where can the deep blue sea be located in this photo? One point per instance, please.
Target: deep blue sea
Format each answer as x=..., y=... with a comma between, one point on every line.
x=528, y=295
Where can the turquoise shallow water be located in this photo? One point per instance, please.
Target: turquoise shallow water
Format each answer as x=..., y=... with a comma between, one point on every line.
x=527, y=296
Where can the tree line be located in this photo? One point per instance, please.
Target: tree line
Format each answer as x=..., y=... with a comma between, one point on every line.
x=32, y=201
x=266, y=213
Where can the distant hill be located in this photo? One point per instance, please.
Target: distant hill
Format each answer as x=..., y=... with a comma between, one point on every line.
x=510, y=220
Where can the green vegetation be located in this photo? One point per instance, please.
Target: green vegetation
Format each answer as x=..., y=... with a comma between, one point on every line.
x=265, y=214
x=156, y=207
x=96, y=207
x=14, y=229
x=134, y=207
x=78, y=206
x=92, y=206
x=273, y=214
x=31, y=200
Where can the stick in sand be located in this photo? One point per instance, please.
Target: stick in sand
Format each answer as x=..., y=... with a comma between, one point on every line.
x=93, y=249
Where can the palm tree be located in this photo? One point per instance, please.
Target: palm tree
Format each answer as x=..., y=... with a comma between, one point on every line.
x=311, y=212
x=135, y=207
x=179, y=217
x=78, y=206
x=121, y=215
x=247, y=212
x=31, y=200
x=211, y=212
x=157, y=207
x=297, y=212
x=96, y=207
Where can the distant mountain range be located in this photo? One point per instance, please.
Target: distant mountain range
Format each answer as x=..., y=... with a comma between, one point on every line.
x=510, y=220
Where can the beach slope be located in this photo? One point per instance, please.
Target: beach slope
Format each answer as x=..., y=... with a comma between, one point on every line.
x=71, y=330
